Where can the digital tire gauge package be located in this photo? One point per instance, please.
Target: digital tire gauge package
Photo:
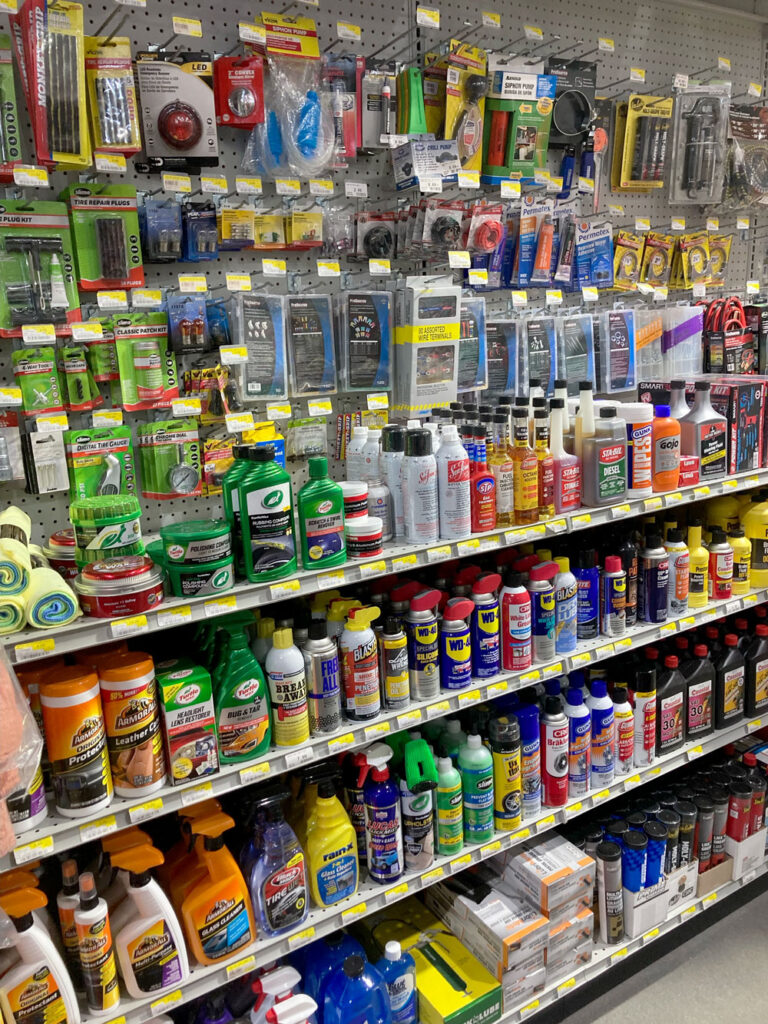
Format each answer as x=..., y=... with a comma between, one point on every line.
x=426, y=345
x=309, y=338
x=105, y=226
x=365, y=340
x=100, y=461
x=473, y=349
x=258, y=322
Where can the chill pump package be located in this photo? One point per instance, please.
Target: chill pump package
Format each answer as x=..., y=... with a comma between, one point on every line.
x=699, y=131
x=364, y=334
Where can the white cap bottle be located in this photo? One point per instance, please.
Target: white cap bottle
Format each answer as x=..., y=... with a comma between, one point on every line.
x=454, y=494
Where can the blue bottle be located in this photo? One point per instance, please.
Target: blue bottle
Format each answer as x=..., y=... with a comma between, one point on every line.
x=383, y=823
x=587, y=574
x=485, y=625
x=530, y=759
x=278, y=879
x=356, y=993
x=321, y=959
x=399, y=972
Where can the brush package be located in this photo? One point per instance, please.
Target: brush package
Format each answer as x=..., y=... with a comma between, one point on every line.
x=681, y=343
x=540, y=345
x=10, y=139
x=657, y=259
x=594, y=255
x=699, y=132
x=112, y=102
x=518, y=117
x=37, y=280
x=258, y=325
x=473, y=349
x=169, y=459
x=147, y=365
x=81, y=392
x=100, y=462
x=309, y=340
x=503, y=358
x=618, y=353
x=50, y=51
x=645, y=142
x=36, y=373
x=44, y=462
x=627, y=260
x=11, y=461
x=576, y=346
x=178, y=110
x=746, y=172
x=238, y=87
x=200, y=235
x=376, y=234
x=365, y=329
x=161, y=228
x=187, y=323
x=105, y=230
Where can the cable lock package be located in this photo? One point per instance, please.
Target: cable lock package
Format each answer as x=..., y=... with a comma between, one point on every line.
x=105, y=226
x=365, y=340
x=309, y=337
x=259, y=325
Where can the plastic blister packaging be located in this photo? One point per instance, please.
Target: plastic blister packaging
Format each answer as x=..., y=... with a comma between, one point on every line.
x=576, y=349
x=700, y=128
x=473, y=350
x=112, y=99
x=618, y=356
x=258, y=324
x=746, y=177
x=201, y=236
x=648, y=334
x=681, y=341
x=20, y=749
x=376, y=235
x=543, y=353
x=11, y=463
x=306, y=437
x=309, y=339
x=306, y=115
x=187, y=323
x=160, y=224
x=365, y=336
x=502, y=337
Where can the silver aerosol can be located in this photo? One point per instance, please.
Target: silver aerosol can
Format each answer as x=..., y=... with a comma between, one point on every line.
x=423, y=648
x=321, y=662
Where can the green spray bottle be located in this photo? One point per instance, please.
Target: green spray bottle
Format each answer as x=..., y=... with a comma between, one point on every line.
x=266, y=516
x=242, y=701
x=321, y=519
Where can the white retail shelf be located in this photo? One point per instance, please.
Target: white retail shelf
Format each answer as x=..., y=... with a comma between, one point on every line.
x=57, y=834
x=372, y=897
x=31, y=644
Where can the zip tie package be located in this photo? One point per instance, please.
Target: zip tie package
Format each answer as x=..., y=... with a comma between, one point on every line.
x=112, y=103
x=10, y=137
x=365, y=339
x=169, y=458
x=309, y=338
x=576, y=346
x=542, y=352
x=649, y=329
x=502, y=337
x=105, y=229
x=473, y=349
x=617, y=347
x=36, y=373
x=699, y=130
x=258, y=324
x=681, y=342
x=148, y=377
x=100, y=461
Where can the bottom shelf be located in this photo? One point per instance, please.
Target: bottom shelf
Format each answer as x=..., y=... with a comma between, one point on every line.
x=606, y=957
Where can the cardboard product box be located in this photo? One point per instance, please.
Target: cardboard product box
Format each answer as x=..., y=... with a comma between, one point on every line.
x=427, y=348
x=551, y=872
x=189, y=720
x=757, y=321
x=654, y=392
x=681, y=886
x=453, y=986
x=517, y=990
x=742, y=401
x=645, y=908
x=715, y=877
x=570, y=933
x=567, y=962
x=570, y=910
x=747, y=854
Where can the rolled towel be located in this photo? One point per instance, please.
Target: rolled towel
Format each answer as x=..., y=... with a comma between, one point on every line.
x=15, y=567
x=50, y=601
x=38, y=557
x=15, y=524
x=12, y=612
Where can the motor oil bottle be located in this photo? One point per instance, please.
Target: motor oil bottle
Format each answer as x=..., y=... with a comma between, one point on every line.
x=360, y=665
x=603, y=735
x=515, y=624
x=450, y=809
x=530, y=759
x=579, y=742
x=653, y=581
x=287, y=681
x=542, y=590
x=475, y=764
x=678, y=579
x=699, y=676
x=729, y=683
x=393, y=665
x=704, y=433
x=553, y=726
x=266, y=513
x=546, y=464
x=720, y=570
x=320, y=505
x=483, y=487
x=423, y=651
x=756, y=677
x=321, y=669
x=644, y=699
x=698, y=568
x=566, y=608
x=567, y=467
x=604, y=460
x=332, y=862
x=742, y=556
x=666, y=450
x=671, y=713
x=628, y=553
x=486, y=642
x=624, y=729
x=455, y=499
x=504, y=738
x=383, y=826
x=526, y=472
x=456, y=644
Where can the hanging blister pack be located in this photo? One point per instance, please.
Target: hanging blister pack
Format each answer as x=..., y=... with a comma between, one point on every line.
x=10, y=138
x=100, y=461
x=700, y=128
x=627, y=260
x=258, y=323
x=148, y=377
x=540, y=343
x=594, y=255
x=200, y=240
x=11, y=461
x=170, y=459
x=617, y=350
x=657, y=259
x=309, y=338
x=239, y=91
x=112, y=100
x=105, y=226
x=160, y=225
x=82, y=395
x=365, y=331
x=576, y=342
x=502, y=340
x=473, y=350
x=187, y=323
x=36, y=373
x=746, y=179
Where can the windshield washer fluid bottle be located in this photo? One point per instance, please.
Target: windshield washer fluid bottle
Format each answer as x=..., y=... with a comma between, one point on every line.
x=399, y=972
x=356, y=993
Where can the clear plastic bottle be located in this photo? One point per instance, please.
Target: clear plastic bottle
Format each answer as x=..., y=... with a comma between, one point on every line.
x=370, y=456
x=567, y=467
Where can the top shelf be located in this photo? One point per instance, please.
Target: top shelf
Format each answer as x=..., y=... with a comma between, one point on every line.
x=31, y=644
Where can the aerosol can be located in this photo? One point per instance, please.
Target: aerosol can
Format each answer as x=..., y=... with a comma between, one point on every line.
x=515, y=625
x=486, y=644
x=423, y=653
x=321, y=664
x=456, y=644
x=360, y=665
x=554, y=753
x=393, y=665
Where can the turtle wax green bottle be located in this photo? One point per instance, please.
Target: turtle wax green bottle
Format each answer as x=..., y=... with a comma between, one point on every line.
x=266, y=518
x=321, y=519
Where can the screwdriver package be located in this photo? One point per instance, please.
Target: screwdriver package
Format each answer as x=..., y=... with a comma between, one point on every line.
x=105, y=224
x=699, y=131
x=112, y=95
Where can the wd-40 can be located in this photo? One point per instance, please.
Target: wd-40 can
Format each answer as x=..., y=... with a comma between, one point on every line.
x=486, y=639
x=423, y=654
x=456, y=644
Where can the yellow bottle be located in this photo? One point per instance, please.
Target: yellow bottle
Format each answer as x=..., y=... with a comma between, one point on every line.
x=499, y=459
x=216, y=912
x=723, y=512
x=742, y=557
x=755, y=523
x=334, y=871
x=526, y=467
x=698, y=571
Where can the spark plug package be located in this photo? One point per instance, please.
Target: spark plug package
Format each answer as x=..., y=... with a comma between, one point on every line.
x=100, y=461
x=502, y=340
x=10, y=139
x=699, y=130
x=105, y=226
x=169, y=457
x=473, y=350
x=309, y=338
x=258, y=321
x=112, y=101
x=365, y=340
x=148, y=378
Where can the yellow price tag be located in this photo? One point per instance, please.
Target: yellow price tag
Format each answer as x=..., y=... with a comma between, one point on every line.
x=432, y=876
x=272, y=267
x=34, y=649
x=220, y=605
x=404, y=562
x=187, y=27
x=241, y=967
x=352, y=912
x=466, y=547
x=175, y=182
x=339, y=743
x=284, y=589
x=129, y=627
x=171, y=998
x=252, y=771
x=34, y=850
x=149, y=809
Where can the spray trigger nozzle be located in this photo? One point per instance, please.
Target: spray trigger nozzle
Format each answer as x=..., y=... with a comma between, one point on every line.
x=296, y=1010
x=277, y=983
x=377, y=755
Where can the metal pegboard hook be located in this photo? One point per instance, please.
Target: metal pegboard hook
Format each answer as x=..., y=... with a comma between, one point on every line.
x=540, y=46
x=97, y=32
x=391, y=42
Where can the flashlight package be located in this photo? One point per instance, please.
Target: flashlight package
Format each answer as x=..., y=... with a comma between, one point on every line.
x=258, y=324
x=616, y=350
x=576, y=347
x=541, y=346
x=309, y=339
x=502, y=341
x=105, y=225
x=364, y=333
x=699, y=131
x=148, y=377
x=160, y=223
x=187, y=323
x=473, y=350
x=200, y=240
x=112, y=102
x=239, y=91
x=169, y=459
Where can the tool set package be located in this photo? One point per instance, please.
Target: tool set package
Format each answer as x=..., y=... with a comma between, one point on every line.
x=699, y=131
x=311, y=352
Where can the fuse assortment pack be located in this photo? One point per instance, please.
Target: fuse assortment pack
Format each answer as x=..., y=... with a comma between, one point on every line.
x=384, y=455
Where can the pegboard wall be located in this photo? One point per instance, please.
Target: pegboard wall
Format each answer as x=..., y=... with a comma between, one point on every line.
x=663, y=38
